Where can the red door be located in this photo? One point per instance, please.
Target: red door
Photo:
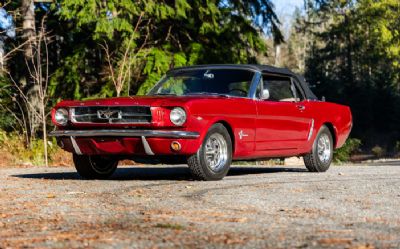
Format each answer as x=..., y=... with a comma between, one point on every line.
x=281, y=125
x=283, y=118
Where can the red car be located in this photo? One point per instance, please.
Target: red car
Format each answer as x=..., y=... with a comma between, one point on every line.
x=207, y=116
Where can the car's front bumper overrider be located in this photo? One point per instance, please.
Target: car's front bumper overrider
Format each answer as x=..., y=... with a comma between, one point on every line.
x=125, y=133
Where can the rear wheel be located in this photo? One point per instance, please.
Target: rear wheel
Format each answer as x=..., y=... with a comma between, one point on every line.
x=321, y=155
x=213, y=160
x=95, y=167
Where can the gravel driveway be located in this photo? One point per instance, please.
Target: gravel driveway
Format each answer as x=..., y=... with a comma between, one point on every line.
x=159, y=207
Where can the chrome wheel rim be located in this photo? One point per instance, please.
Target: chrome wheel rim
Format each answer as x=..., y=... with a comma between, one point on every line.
x=324, y=148
x=216, y=151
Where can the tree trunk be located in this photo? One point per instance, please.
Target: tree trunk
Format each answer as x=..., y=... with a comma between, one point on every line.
x=43, y=114
x=277, y=55
x=27, y=82
x=28, y=27
x=1, y=57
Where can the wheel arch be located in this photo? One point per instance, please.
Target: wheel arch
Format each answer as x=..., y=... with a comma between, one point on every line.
x=229, y=128
x=333, y=132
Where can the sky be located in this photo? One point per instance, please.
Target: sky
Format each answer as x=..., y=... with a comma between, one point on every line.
x=6, y=24
x=287, y=6
x=285, y=9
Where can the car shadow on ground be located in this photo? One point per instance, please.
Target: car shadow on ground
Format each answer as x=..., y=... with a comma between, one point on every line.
x=158, y=173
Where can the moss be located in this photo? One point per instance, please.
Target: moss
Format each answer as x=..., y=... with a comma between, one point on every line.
x=170, y=226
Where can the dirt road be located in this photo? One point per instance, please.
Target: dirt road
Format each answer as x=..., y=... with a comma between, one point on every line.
x=159, y=207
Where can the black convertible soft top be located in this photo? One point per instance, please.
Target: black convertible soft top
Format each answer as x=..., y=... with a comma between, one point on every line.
x=259, y=68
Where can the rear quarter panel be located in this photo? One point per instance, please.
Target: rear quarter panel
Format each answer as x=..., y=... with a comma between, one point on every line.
x=335, y=116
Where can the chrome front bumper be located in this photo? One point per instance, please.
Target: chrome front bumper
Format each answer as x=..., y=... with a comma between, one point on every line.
x=124, y=133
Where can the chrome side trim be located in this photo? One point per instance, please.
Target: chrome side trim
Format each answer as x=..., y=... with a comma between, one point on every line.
x=124, y=133
x=311, y=130
x=147, y=147
x=76, y=146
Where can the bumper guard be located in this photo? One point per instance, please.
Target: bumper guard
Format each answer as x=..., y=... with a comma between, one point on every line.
x=72, y=134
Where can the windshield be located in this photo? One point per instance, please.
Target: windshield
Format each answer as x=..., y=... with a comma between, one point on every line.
x=205, y=81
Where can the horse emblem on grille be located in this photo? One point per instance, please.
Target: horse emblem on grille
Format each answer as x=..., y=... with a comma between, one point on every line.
x=109, y=114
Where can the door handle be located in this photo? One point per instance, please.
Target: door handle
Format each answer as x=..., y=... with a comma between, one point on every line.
x=301, y=107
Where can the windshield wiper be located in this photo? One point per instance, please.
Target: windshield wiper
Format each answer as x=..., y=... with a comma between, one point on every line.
x=208, y=93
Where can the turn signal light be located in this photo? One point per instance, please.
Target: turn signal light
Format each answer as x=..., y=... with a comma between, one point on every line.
x=176, y=146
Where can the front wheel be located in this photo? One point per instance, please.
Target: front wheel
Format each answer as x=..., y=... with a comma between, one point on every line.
x=94, y=167
x=321, y=155
x=213, y=159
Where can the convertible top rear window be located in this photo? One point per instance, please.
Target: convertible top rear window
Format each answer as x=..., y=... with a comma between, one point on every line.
x=205, y=81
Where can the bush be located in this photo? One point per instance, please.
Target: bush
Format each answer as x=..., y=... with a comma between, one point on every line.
x=344, y=153
x=397, y=148
x=378, y=151
x=13, y=143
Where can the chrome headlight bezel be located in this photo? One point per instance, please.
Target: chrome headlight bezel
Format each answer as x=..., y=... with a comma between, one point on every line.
x=178, y=116
x=61, y=116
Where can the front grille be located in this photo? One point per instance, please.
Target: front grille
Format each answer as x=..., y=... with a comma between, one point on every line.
x=111, y=114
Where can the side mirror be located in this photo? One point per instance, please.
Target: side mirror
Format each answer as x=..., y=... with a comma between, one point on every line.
x=265, y=94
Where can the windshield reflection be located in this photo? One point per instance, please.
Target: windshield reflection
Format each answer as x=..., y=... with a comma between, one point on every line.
x=221, y=82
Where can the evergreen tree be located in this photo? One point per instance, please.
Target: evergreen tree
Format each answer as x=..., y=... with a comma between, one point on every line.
x=164, y=34
x=353, y=59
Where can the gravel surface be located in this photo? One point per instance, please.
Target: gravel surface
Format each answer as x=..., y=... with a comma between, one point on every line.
x=160, y=207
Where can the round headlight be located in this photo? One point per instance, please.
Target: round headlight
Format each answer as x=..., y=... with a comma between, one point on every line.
x=61, y=116
x=178, y=116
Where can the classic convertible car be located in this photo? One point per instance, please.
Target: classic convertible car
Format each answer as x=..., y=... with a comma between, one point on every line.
x=207, y=116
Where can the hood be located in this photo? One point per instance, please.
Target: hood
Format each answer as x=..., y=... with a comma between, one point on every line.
x=137, y=100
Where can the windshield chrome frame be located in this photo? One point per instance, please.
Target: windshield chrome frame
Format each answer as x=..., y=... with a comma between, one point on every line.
x=253, y=85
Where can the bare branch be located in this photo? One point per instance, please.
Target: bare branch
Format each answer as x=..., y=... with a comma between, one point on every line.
x=11, y=52
x=128, y=72
x=108, y=58
x=125, y=58
x=4, y=107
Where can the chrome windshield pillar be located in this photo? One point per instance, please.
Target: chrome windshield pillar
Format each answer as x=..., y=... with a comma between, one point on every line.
x=254, y=84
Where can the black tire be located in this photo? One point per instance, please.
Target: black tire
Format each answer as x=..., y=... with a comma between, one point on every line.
x=94, y=167
x=200, y=169
x=312, y=160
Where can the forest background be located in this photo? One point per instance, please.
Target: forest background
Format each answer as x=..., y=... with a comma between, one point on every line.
x=348, y=50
